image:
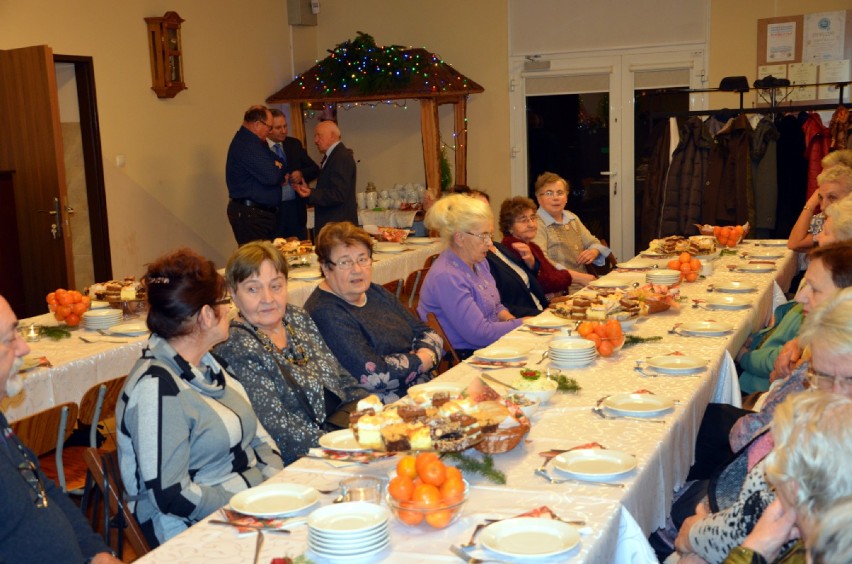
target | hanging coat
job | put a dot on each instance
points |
(655, 180)
(729, 194)
(765, 173)
(685, 183)
(792, 174)
(839, 128)
(817, 142)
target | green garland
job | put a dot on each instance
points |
(446, 173)
(636, 339)
(484, 467)
(361, 65)
(56, 333)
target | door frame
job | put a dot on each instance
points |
(84, 71)
(621, 67)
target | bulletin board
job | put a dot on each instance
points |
(807, 49)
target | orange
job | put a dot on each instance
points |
(594, 337)
(426, 495)
(72, 320)
(605, 348)
(51, 298)
(76, 296)
(584, 329)
(452, 490)
(695, 264)
(440, 518)
(406, 467)
(673, 264)
(79, 308)
(453, 472)
(62, 311)
(691, 276)
(422, 460)
(600, 331)
(717, 231)
(64, 298)
(613, 333)
(434, 473)
(685, 257)
(400, 488)
(684, 267)
(410, 517)
(86, 300)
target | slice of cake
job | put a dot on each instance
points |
(419, 437)
(395, 437)
(369, 432)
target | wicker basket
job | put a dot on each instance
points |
(503, 440)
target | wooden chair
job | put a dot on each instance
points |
(394, 287)
(97, 405)
(47, 431)
(105, 471)
(450, 358)
(429, 260)
(411, 289)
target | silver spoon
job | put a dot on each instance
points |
(552, 480)
(258, 546)
(543, 356)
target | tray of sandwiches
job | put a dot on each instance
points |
(697, 246)
(440, 420)
(616, 303)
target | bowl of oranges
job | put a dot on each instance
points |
(68, 306)
(688, 265)
(426, 493)
(608, 336)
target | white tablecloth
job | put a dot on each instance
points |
(619, 520)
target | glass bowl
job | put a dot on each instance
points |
(427, 518)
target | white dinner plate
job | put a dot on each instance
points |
(358, 554)
(548, 322)
(432, 388)
(638, 405)
(529, 537)
(765, 256)
(134, 329)
(101, 312)
(608, 282)
(756, 268)
(636, 264)
(594, 463)
(772, 243)
(734, 287)
(342, 440)
(677, 364)
(420, 240)
(500, 354)
(709, 328)
(388, 248)
(352, 517)
(29, 363)
(305, 274)
(652, 255)
(729, 302)
(272, 500)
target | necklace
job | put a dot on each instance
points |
(298, 356)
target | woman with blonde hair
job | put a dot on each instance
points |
(835, 183)
(459, 288)
(838, 223)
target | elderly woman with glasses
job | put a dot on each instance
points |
(274, 348)
(369, 330)
(561, 234)
(827, 333)
(188, 438)
(459, 288)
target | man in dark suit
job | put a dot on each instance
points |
(254, 176)
(333, 197)
(292, 218)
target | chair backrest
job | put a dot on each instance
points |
(450, 357)
(105, 472)
(394, 287)
(48, 430)
(98, 403)
(411, 289)
(606, 267)
(429, 260)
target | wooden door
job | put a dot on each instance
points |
(32, 147)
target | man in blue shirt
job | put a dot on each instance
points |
(254, 175)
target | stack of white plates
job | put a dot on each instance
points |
(572, 353)
(95, 319)
(348, 530)
(663, 276)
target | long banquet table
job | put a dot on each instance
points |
(618, 520)
(77, 366)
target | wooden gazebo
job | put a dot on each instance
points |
(361, 72)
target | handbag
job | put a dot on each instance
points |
(337, 412)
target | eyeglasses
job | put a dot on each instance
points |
(349, 264)
(29, 473)
(551, 193)
(525, 219)
(827, 382)
(484, 237)
(268, 125)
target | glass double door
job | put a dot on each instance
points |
(589, 120)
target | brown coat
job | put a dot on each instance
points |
(728, 194)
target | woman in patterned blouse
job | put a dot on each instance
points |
(277, 352)
(372, 334)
